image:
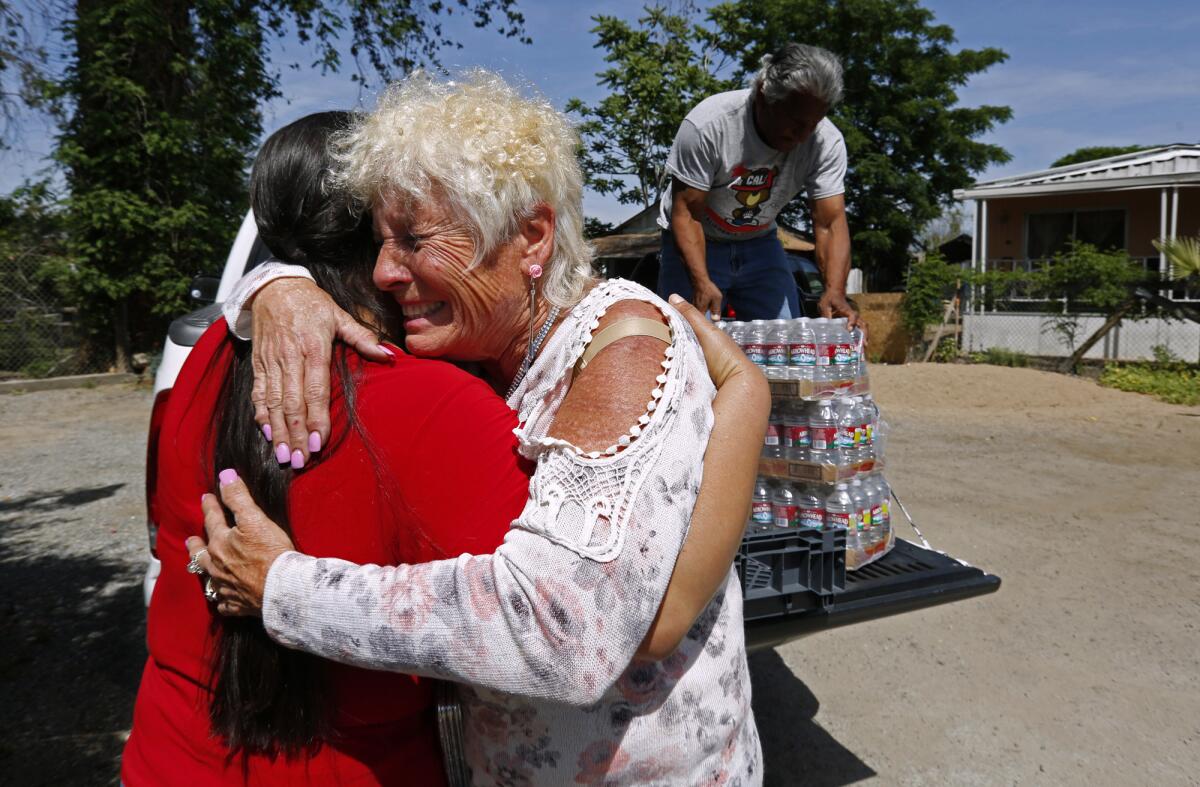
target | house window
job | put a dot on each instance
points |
(1050, 233)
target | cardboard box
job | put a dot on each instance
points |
(808, 389)
(792, 470)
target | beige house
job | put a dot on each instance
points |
(1121, 202)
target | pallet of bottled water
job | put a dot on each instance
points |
(822, 463)
(804, 358)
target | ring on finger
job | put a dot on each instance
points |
(210, 592)
(193, 566)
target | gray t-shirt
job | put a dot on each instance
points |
(748, 182)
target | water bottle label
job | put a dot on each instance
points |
(761, 512)
(843, 354)
(864, 519)
(860, 434)
(870, 433)
(887, 511)
(877, 515)
(785, 516)
(777, 354)
(824, 437)
(812, 517)
(772, 437)
(797, 436)
(839, 520)
(825, 354)
(845, 437)
(756, 353)
(803, 354)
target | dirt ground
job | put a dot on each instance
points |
(1082, 669)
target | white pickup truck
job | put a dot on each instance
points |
(782, 602)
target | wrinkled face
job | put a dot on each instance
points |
(450, 309)
(790, 122)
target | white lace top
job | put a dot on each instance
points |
(543, 632)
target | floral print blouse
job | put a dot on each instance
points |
(542, 634)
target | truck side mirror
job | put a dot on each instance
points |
(203, 289)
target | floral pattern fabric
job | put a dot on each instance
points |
(543, 633)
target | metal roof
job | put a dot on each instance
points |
(1172, 165)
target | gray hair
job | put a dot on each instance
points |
(489, 152)
(800, 68)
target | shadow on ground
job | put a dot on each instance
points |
(796, 750)
(73, 630)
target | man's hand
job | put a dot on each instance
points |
(237, 558)
(295, 324)
(834, 304)
(707, 297)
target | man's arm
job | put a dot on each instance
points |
(831, 236)
(687, 206)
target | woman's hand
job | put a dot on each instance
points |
(295, 324)
(237, 558)
(741, 409)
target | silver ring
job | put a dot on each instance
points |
(210, 592)
(193, 566)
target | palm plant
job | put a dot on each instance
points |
(1183, 254)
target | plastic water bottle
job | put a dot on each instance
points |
(737, 332)
(840, 514)
(811, 507)
(884, 498)
(860, 353)
(862, 430)
(847, 431)
(797, 438)
(783, 506)
(876, 533)
(843, 363)
(802, 349)
(862, 510)
(755, 345)
(773, 442)
(823, 428)
(760, 506)
(821, 339)
(776, 349)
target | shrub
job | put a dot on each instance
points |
(998, 356)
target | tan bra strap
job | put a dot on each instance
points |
(630, 326)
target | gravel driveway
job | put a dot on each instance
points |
(1081, 670)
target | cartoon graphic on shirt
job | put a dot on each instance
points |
(752, 188)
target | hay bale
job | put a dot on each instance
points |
(889, 340)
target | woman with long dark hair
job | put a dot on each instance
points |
(420, 465)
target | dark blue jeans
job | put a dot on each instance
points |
(753, 274)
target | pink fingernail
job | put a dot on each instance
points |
(314, 442)
(297, 460)
(267, 432)
(227, 476)
(282, 452)
(387, 351)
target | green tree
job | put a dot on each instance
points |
(909, 142)
(659, 70)
(1091, 154)
(160, 106)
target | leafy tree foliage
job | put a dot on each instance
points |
(659, 70)
(160, 114)
(1091, 154)
(909, 143)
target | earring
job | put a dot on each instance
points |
(535, 273)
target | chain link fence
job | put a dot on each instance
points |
(1013, 320)
(39, 335)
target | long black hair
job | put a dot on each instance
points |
(266, 698)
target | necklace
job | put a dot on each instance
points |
(534, 345)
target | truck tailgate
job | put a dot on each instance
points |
(908, 578)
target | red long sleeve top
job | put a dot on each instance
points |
(437, 476)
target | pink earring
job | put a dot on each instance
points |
(535, 271)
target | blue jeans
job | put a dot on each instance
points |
(753, 274)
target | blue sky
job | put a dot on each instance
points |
(1094, 73)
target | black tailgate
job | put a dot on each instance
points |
(908, 578)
